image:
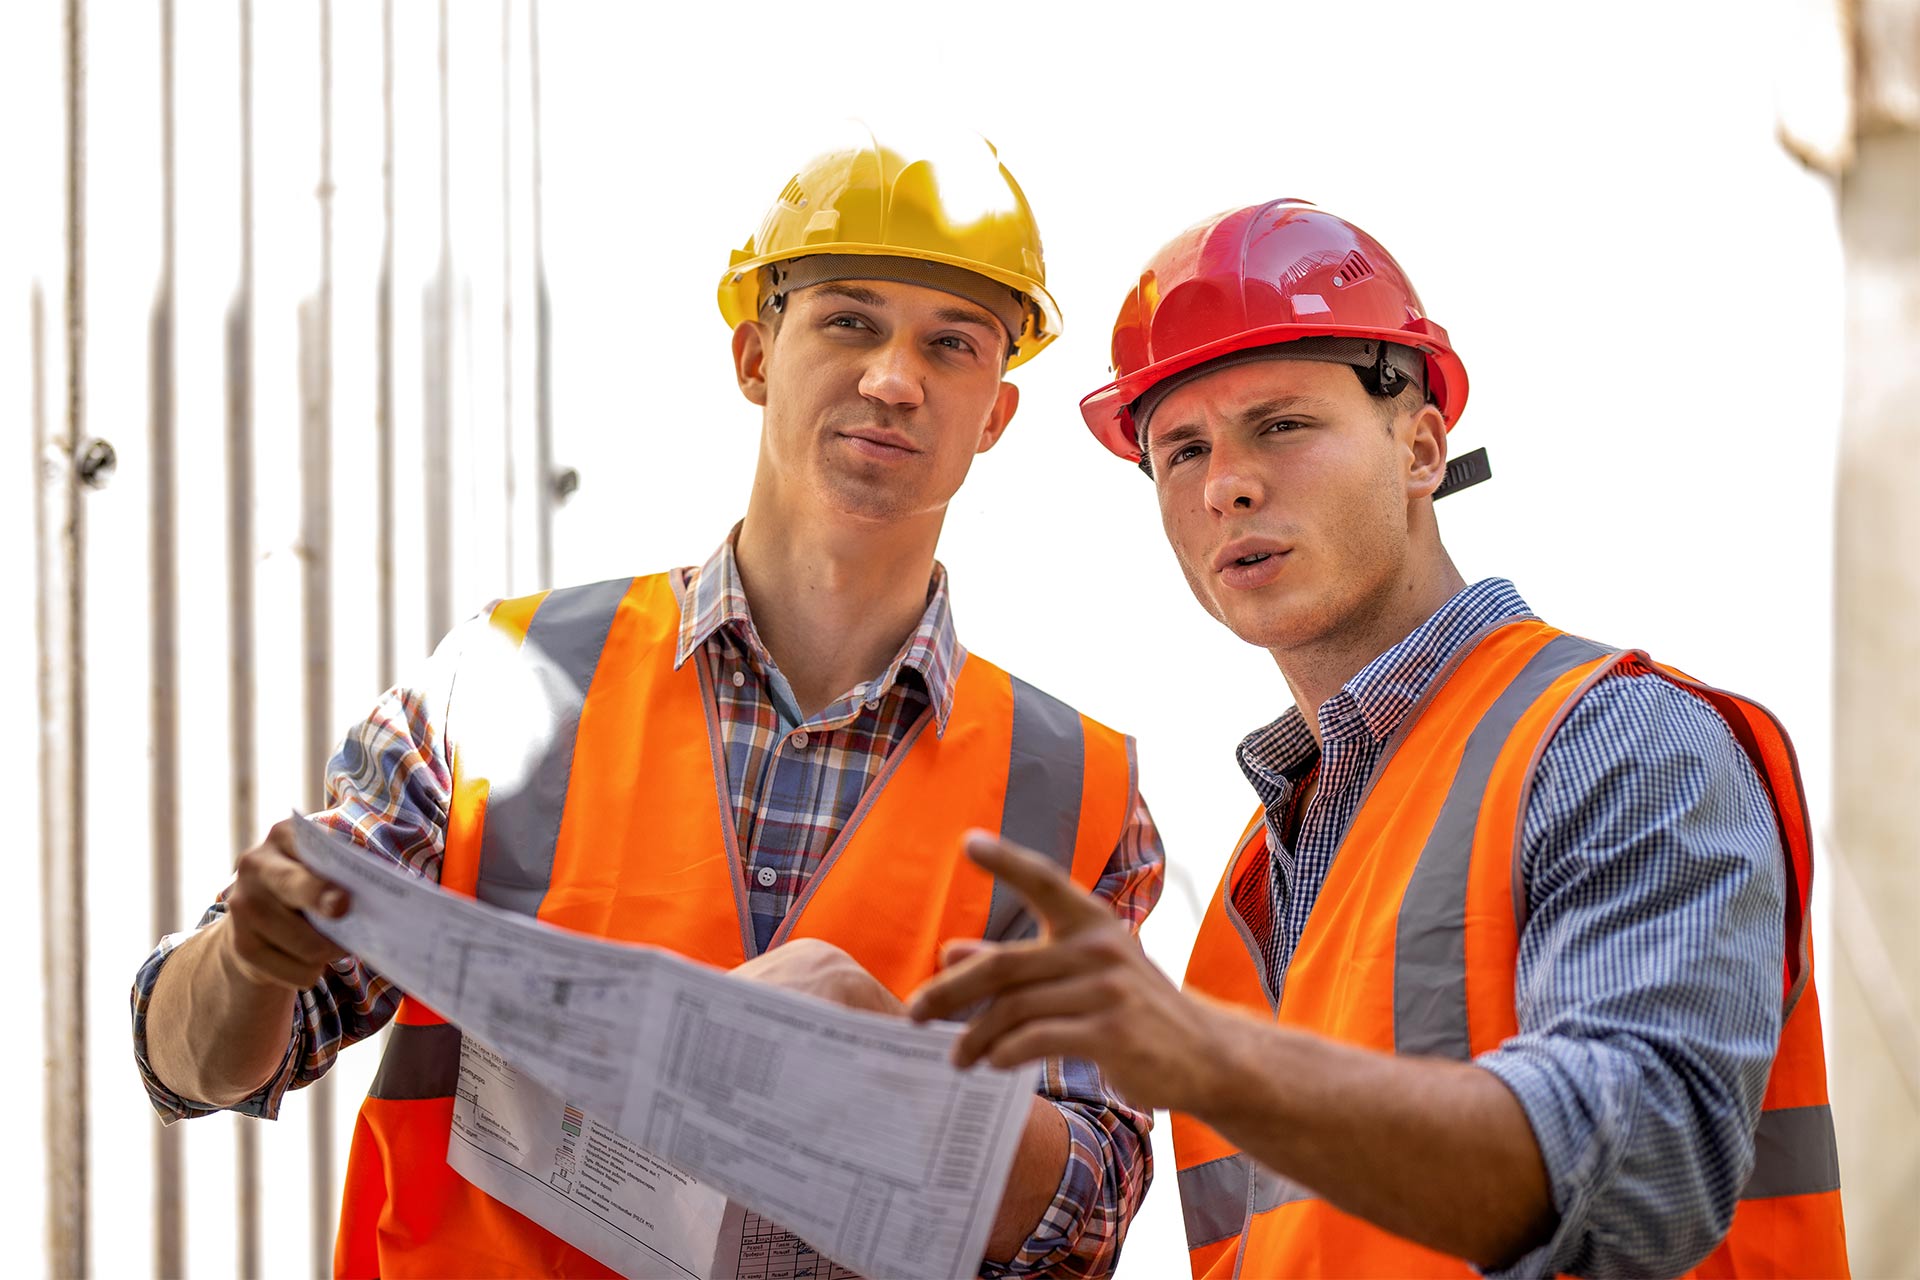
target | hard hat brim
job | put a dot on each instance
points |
(1108, 412)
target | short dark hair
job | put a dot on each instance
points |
(1408, 399)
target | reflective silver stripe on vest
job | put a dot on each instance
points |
(1270, 1190)
(420, 1062)
(522, 826)
(1215, 1197)
(1430, 946)
(1793, 1154)
(1044, 775)
(1213, 1200)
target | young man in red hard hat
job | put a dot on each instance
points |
(765, 762)
(1510, 968)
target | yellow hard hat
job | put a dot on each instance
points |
(945, 214)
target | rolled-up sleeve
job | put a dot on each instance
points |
(387, 789)
(1648, 986)
(1110, 1155)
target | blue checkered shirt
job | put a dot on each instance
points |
(1648, 988)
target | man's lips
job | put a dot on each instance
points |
(1243, 552)
(891, 440)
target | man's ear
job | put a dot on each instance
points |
(752, 348)
(1004, 405)
(1426, 444)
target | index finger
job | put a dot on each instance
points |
(1064, 905)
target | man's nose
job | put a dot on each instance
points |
(895, 374)
(1233, 482)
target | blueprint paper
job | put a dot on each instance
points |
(849, 1129)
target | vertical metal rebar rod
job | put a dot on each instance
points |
(543, 327)
(506, 283)
(240, 649)
(169, 1254)
(316, 576)
(61, 618)
(383, 391)
(439, 375)
(52, 476)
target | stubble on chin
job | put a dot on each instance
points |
(1273, 618)
(864, 496)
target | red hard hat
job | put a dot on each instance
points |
(1254, 277)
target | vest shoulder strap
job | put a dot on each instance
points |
(523, 716)
(1070, 785)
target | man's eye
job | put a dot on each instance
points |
(1181, 454)
(846, 322)
(953, 342)
(1282, 424)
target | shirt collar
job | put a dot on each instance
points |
(713, 600)
(1376, 699)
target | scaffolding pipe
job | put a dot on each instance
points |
(545, 478)
(169, 1256)
(316, 569)
(240, 649)
(438, 337)
(506, 287)
(60, 617)
(385, 660)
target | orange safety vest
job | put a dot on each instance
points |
(622, 826)
(1412, 947)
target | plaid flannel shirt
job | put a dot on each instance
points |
(794, 783)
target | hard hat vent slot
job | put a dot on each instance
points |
(1353, 268)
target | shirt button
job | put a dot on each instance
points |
(739, 679)
(799, 740)
(873, 704)
(766, 877)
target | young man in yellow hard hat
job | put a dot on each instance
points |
(1510, 969)
(764, 762)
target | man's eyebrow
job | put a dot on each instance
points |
(1279, 406)
(946, 315)
(1172, 435)
(1265, 410)
(967, 315)
(853, 293)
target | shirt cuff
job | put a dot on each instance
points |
(1581, 1136)
(1060, 1227)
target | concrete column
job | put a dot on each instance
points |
(1872, 980)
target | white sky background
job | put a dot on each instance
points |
(1645, 289)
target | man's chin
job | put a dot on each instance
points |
(1274, 627)
(862, 499)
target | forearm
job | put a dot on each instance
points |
(213, 1035)
(1105, 1142)
(1438, 1152)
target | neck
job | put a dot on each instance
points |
(1315, 671)
(832, 603)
